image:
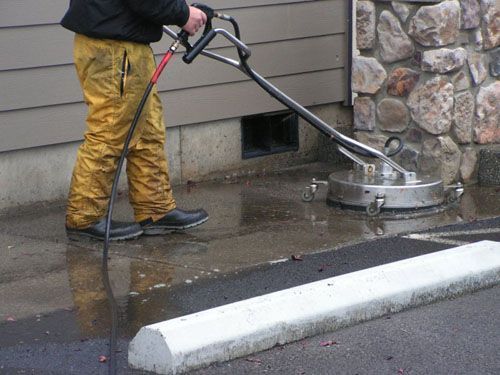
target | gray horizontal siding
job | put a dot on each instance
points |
(28, 90)
(39, 12)
(49, 126)
(35, 46)
(299, 44)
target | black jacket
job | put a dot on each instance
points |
(134, 20)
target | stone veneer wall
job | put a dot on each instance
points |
(428, 72)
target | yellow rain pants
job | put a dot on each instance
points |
(113, 76)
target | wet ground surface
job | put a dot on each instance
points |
(51, 289)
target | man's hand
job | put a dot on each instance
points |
(197, 19)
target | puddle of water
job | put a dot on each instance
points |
(253, 221)
(258, 228)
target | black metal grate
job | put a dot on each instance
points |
(267, 134)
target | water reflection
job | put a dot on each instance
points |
(254, 225)
(140, 287)
(87, 289)
(146, 302)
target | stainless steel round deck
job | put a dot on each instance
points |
(354, 189)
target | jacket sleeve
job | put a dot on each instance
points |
(163, 12)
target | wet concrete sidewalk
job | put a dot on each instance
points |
(51, 289)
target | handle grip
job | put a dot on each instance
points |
(193, 51)
(209, 12)
(205, 9)
(190, 55)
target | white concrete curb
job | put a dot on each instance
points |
(259, 323)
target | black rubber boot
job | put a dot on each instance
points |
(119, 231)
(176, 219)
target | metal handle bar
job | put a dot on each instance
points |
(207, 38)
(327, 129)
(235, 41)
(226, 60)
(315, 121)
(351, 156)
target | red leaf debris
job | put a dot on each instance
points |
(401, 371)
(102, 358)
(328, 343)
(10, 318)
(297, 257)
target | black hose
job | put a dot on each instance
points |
(105, 275)
(114, 313)
(397, 150)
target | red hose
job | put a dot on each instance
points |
(160, 67)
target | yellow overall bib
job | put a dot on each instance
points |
(113, 76)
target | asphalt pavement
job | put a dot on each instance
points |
(456, 336)
(260, 239)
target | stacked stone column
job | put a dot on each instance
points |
(429, 72)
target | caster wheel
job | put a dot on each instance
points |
(451, 198)
(372, 209)
(307, 196)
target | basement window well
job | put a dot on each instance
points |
(271, 133)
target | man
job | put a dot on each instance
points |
(114, 63)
